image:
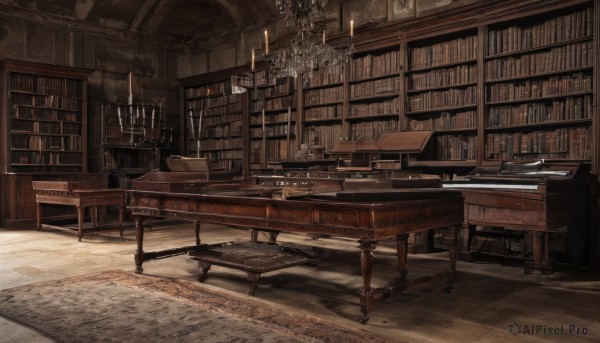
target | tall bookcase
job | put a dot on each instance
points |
(272, 122)
(539, 87)
(214, 124)
(441, 96)
(44, 133)
(373, 93)
(322, 101)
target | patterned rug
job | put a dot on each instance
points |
(119, 306)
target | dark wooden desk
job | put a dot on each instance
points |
(343, 214)
(79, 195)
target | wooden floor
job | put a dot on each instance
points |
(487, 300)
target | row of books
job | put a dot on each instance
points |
(557, 59)
(272, 131)
(215, 102)
(45, 85)
(47, 101)
(433, 100)
(324, 112)
(536, 88)
(375, 87)
(452, 51)
(223, 87)
(19, 112)
(554, 30)
(375, 108)
(371, 130)
(325, 136)
(273, 118)
(47, 157)
(36, 127)
(324, 77)
(62, 143)
(444, 121)
(373, 65)
(215, 120)
(217, 144)
(279, 89)
(541, 112)
(220, 157)
(451, 148)
(273, 104)
(569, 143)
(226, 130)
(323, 95)
(461, 74)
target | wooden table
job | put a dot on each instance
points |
(79, 195)
(345, 214)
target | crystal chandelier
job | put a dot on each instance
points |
(308, 49)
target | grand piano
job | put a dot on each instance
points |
(532, 196)
(367, 216)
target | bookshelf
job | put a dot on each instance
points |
(130, 139)
(214, 124)
(441, 96)
(374, 93)
(539, 87)
(322, 99)
(272, 122)
(44, 134)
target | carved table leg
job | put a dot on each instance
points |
(205, 266)
(541, 258)
(402, 256)
(38, 216)
(121, 214)
(253, 278)
(253, 235)
(367, 300)
(197, 232)
(80, 218)
(139, 238)
(273, 237)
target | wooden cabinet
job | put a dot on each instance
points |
(131, 139)
(44, 134)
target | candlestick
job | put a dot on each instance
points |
(252, 59)
(152, 123)
(266, 42)
(192, 125)
(351, 28)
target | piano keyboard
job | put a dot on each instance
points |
(490, 186)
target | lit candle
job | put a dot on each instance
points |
(351, 28)
(323, 37)
(252, 59)
(266, 42)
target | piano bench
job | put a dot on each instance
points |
(254, 258)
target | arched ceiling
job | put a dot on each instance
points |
(179, 19)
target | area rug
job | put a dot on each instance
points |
(119, 306)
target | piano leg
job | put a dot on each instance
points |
(453, 250)
(139, 238)
(80, 218)
(541, 256)
(367, 299)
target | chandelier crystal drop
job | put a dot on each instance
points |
(308, 50)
